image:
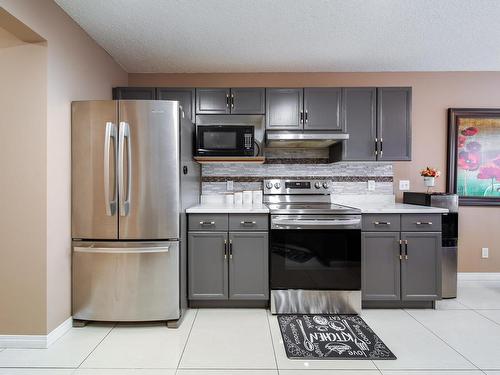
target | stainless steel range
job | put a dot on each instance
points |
(315, 249)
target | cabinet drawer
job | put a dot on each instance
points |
(208, 222)
(421, 222)
(242, 222)
(385, 223)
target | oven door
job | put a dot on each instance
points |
(224, 140)
(316, 252)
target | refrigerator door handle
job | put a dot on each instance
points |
(110, 132)
(130, 250)
(125, 202)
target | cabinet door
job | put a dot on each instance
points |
(185, 96)
(248, 101)
(248, 265)
(322, 109)
(421, 271)
(394, 123)
(134, 93)
(380, 262)
(207, 265)
(212, 101)
(359, 121)
(284, 109)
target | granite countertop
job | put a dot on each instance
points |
(224, 208)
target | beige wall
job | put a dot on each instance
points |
(433, 93)
(23, 125)
(77, 69)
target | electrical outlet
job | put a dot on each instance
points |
(485, 252)
(404, 185)
(371, 185)
(229, 185)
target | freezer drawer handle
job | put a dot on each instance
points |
(130, 250)
(125, 202)
(110, 132)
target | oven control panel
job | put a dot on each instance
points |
(278, 186)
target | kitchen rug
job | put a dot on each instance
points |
(330, 337)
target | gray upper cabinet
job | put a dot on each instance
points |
(380, 266)
(134, 93)
(359, 121)
(421, 267)
(185, 96)
(394, 123)
(207, 260)
(322, 109)
(248, 101)
(213, 101)
(284, 109)
(248, 266)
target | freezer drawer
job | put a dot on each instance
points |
(126, 281)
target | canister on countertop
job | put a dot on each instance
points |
(238, 198)
(247, 197)
(257, 197)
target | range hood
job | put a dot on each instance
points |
(303, 140)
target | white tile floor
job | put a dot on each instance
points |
(461, 337)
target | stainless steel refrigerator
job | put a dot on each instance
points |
(132, 178)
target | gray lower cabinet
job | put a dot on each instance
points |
(380, 266)
(284, 109)
(394, 123)
(207, 265)
(421, 266)
(231, 264)
(248, 265)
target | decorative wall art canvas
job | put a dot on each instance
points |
(474, 155)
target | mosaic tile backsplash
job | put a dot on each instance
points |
(346, 177)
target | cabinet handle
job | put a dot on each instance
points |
(376, 146)
(248, 222)
(307, 115)
(232, 100)
(227, 100)
(225, 249)
(381, 146)
(230, 249)
(423, 222)
(406, 249)
(400, 249)
(382, 222)
(301, 117)
(207, 222)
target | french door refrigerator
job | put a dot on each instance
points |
(127, 209)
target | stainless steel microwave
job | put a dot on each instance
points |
(224, 140)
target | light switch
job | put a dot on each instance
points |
(485, 252)
(229, 185)
(404, 185)
(371, 185)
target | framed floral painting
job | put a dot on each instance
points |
(474, 155)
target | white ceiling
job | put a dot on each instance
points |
(294, 35)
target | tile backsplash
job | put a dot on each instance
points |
(346, 177)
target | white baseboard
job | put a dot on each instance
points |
(35, 341)
(479, 276)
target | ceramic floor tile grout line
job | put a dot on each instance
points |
(187, 340)
(95, 347)
(272, 339)
(441, 339)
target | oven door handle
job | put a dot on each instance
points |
(303, 224)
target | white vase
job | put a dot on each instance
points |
(429, 181)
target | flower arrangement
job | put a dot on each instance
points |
(430, 172)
